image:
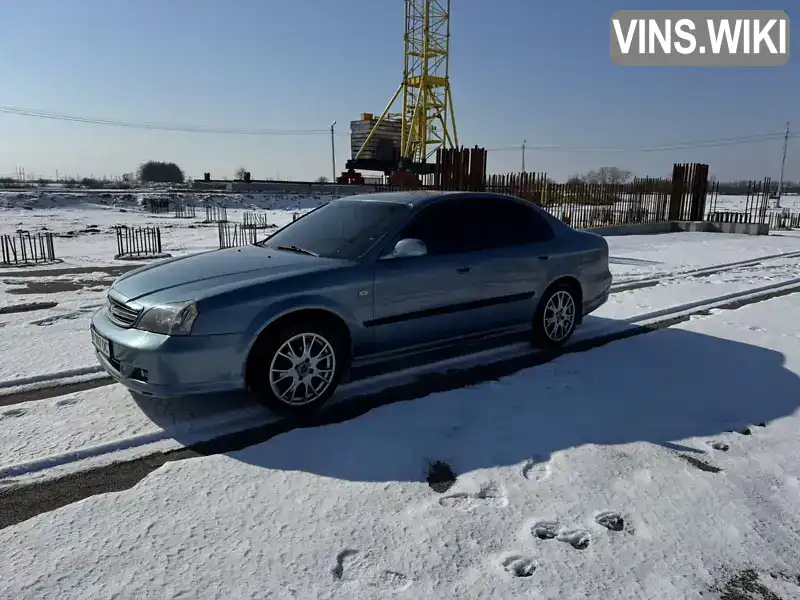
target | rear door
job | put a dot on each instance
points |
(511, 249)
(427, 299)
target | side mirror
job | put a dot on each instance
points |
(407, 248)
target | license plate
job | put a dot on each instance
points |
(102, 344)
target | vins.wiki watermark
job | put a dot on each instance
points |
(731, 38)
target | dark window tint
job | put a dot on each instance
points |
(500, 223)
(342, 228)
(474, 224)
(443, 227)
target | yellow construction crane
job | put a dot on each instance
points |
(426, 122)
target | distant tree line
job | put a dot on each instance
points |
(154, 171)
(615, 175)
(149, 172)
(91, 183)
(603, 175)
(739, 188)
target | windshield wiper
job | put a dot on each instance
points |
(298, 249)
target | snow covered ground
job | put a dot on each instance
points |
(663, 467)
(86, 429)
(78, 283)
(739, 203)
(85, 245)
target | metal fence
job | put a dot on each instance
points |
(776, 220)
(644, 200)
(233, 235)
(138, 241)
(182, 210)
(682, 197)
(157, 205)
(783, 220)
(255, 220)
(216, 214)
(26, 249)
(459, 169)
(754, 209)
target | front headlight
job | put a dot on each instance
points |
(174, 318)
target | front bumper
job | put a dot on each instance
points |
(168, 366)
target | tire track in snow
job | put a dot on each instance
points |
(633, 284)
(234, 424)
(43, 390)
(22, 502)
(24, 382)
(42, 387)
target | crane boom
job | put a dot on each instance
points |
(426, 121)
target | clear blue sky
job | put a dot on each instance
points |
(520, 69)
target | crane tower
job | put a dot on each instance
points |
(409, 138)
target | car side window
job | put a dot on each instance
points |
(443, 227)
(502, 223)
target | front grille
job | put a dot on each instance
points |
(121, 314)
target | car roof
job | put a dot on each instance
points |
(417, 197)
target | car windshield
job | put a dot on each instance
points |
(340, 229)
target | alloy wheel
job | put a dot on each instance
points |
(302, 369)
(559, 315)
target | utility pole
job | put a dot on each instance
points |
(783, 165)
(523, 154)
(333, 154)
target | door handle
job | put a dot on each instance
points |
(463, 270)
(543, 257)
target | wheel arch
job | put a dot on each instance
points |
(574, 285)
(311, 313)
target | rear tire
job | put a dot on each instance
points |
(556, 317)
(295, 369)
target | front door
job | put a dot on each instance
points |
(427, 299)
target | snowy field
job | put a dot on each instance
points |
(739, 203)
(86, 246)
(600, 475)
(664, 466)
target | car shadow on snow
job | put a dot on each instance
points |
(660, 388)
(188, 419)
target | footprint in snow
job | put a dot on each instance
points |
(67, 402)
(354, 565)
(345, 558)
(536, 469)
(721, 446)
(700, 464)
(518, 565)
(440, 476)
(545, 530)
(577, 538)
(392, 582)
(610, 520)
(12, 414)
(548, 530)
(490, 495)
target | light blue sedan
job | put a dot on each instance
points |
(360, 280)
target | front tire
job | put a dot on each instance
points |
(556, 317)
(295, 369)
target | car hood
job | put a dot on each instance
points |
(208, 270)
